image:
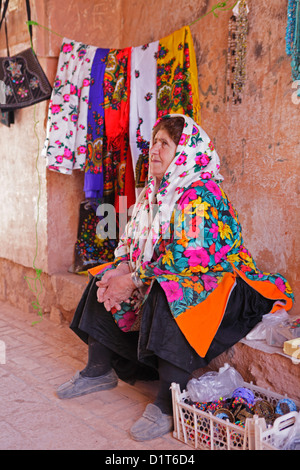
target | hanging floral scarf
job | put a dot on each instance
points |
(116, 115)
(177, 75)
(142, 107)
(93, 181)
(66, 134)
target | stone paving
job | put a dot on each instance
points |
(34, 360)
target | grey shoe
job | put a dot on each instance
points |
(152, 424)
(79, 385)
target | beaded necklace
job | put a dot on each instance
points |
(236, 53)
(231, 51)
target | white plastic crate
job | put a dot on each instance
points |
(202, 430)
(272, 438)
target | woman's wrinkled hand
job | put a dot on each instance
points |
(102, 285)
(115, 289)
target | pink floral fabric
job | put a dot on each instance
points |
(65, 145)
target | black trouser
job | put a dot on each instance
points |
(100, 361)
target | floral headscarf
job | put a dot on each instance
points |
(195, 158)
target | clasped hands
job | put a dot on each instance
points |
(115, 287)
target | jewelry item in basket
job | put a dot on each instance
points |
(215, 405)
(284, 406)
(241, 409)
(223, 413)
(210, 406)
(264, 409)
(245, 393)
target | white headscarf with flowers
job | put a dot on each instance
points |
(195, 159)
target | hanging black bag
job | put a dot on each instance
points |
(22, 79)
(6, 117)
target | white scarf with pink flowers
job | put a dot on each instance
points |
(65, 144)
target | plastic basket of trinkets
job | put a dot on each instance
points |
(224, 421)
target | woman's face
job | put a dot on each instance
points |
(162, 153)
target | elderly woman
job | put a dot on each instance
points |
(182, 289)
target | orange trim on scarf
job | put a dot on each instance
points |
(200, 323)
(268, 290)
(97, 269)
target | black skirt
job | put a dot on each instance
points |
(136, 353)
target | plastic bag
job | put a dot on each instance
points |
(263, 329)
(286, 432)
(293, 438)
(213, 385)
(259, 332)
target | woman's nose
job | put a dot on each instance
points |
(154, 149)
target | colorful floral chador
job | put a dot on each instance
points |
(116, 116)
(177, 75)
(93, 177)
(187, 236)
